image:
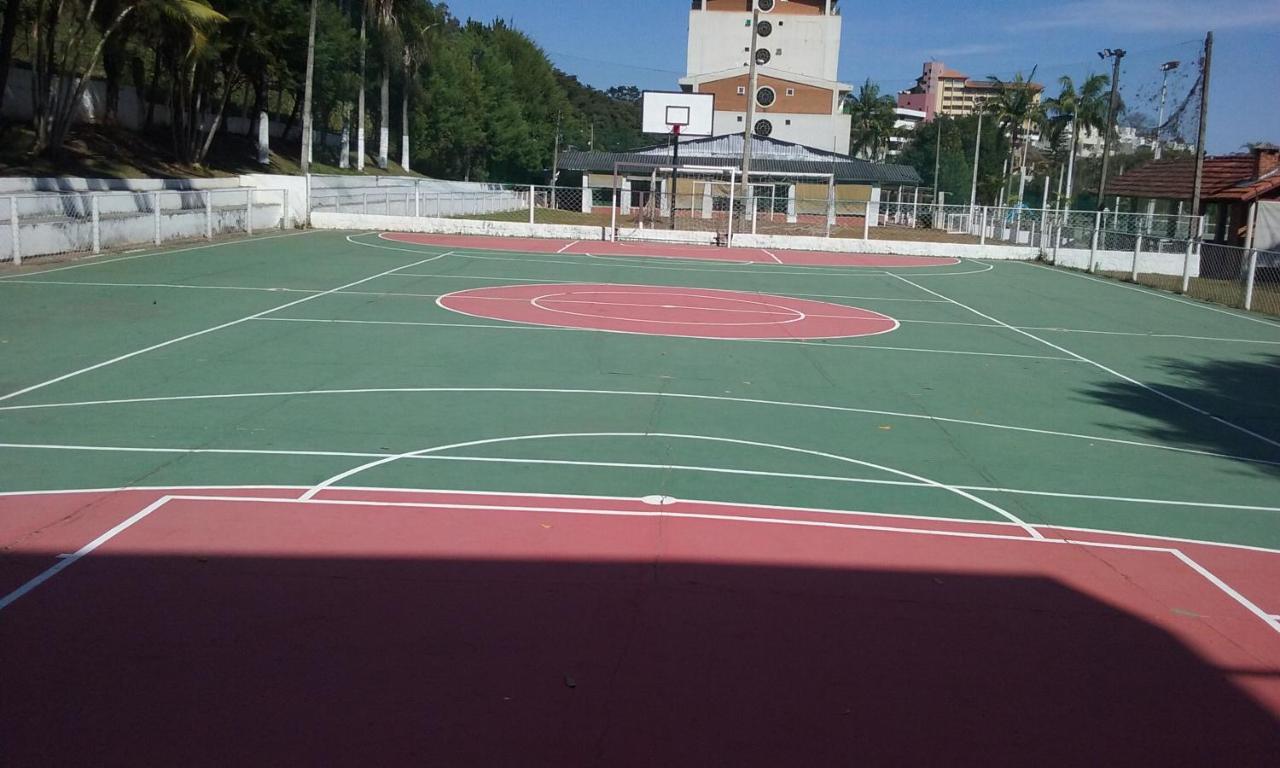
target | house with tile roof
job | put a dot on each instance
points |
(1232, 183)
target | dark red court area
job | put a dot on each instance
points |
(413, 628)
(668, 311)
(660, 250)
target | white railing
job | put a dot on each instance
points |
(66, 223)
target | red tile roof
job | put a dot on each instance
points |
(1227, 178)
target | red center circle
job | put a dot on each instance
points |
(668, 311)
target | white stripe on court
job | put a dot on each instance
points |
(770, 255)
(789, 342)
(567, 247)
(1100, 366)
(626, 393)
(647, 466)
(92, 262)
(161, 345)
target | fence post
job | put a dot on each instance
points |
(15, 236)
(417, 199)
(248, 211)
(284, 212)
(1186, 266)
(1248, 286)
(1093, 244)
(1137, 249)
(866, 220)
(95, 219)
(755, 208)
(982, 227)
(532, 192)
(208, 215)
(155, 215)
(733, 189)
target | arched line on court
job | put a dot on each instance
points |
(673, 436)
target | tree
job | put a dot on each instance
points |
(955, 163)
(308, 134)
(8, 30)
(1017, 107)
(873, 119)
(1084, 109)
(61, 80)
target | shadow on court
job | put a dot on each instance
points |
(278, 661)
(1243, 393)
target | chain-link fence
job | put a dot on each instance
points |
(72, 223)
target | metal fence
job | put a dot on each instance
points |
(73, 223)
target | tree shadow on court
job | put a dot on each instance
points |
(134, 660)
(1244, 393)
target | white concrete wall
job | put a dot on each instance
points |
(1122, 261)
(667, 236)
(348, 221)
(721, 40)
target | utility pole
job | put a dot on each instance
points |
(309, 88)
(977, 152)
(753, 81)
(1116, 55)
(1166, 68)
(555, 155)
(1204, 123)
(1071, 159)
(937, 159)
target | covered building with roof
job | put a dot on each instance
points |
(799, 179)
(1232, 183)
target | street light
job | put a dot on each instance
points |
(1166, 68)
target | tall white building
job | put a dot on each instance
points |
(798, 98)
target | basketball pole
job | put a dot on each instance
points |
(675, 165)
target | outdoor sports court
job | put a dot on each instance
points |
(336, 498)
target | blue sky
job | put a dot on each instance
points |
(609, 42)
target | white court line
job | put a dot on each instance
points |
(161, 285)
(67, 562)
(1036, 538)
(91, 262)
(318, 488)
(688, 259)
(1156, 293)
(567, 247)
(790, 342)
(1135, 334)
(635, 465)
(630, 393)
(161, 345)
(1100, 366)
(770, 255)
(187, 493)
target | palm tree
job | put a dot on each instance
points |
(872, 124)
(1084, 109)
(1017, 106)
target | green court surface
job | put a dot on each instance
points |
(1010, 392)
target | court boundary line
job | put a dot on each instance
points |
(195, 334)
(1100, 366)
(1221, 585)
(626, 393)
(90, 261)
(531, 494)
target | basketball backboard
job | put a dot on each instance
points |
(690, 113)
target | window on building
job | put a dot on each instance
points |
(742, 90)
(791, 91)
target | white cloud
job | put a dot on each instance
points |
(1154, 15)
